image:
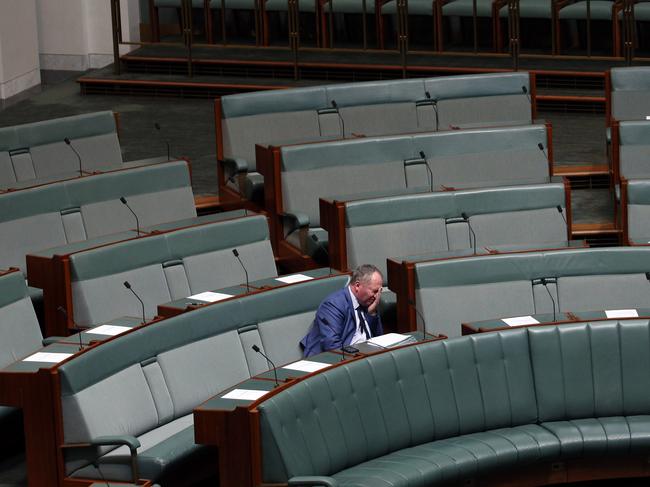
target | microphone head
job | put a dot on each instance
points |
(123, 200)
(525, 90)
(647, 276)
(540, 146)
(428, 95)
(423, 155)
(156, 125)
(464, 215)
(333, 102)
(314, 237)
(559, 208)
(256, 348)
(127, 284)
(235, 252)
(67, 141)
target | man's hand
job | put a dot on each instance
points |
(372, 309)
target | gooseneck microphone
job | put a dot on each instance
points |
(235, 252)
(270, 362)
(525, 90)
(561, 212)
(314, 237)
(137, 221)
(69, 144)
(336, 107)
(63, 311)
(544, 283)
(157, 127)
(434, 104)
(426, 163)
(469, 225)
(128, 286)
(540, 146)
(417, 311)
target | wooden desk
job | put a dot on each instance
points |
(178, 306)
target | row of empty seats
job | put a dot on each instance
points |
(39, 152)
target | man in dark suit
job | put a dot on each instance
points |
(349, 315)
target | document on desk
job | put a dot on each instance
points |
(306, 366)
(520, 321)
(109, 330)
(293, 278)
(390, 340)
(48, 357)
(244, 394)
(621, 313)
(210, 297)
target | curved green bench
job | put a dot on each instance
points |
(516, 403)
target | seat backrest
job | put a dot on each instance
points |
(368, 408)
(633, 150)
(168, 266)
(638, 211)
(162, 371)
(37, 150)
(19, 327)
(629, 93)
(408, 225)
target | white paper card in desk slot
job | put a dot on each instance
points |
(210, 297)
(306, 366)
(520, 321)
(621, 313)
(293, 278)
(390, 340)
(48, 357)
(244, 394)
(109, 330)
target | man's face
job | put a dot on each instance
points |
(367, 292)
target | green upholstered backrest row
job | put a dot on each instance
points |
(373, 92)
(63, 195)
(634, 149)
(453, 204)
(629, 95)
(531, 265)
(373, 150)
(638, 210)
(158, 249)
(147, 342)
(55, 130)
(634, 133)
(638, 192)
(407, 397)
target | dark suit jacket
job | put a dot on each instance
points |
(335, 325)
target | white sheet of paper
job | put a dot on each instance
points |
(244, 394)
(306, 366)
(621, 313)
(520, 321)
(210, 297)
(293, 278)
(110, 330)
(389, 340)
(49, 357)
(647, 117)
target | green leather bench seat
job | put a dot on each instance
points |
(600, 10)
(369, 108)
(168, 266)
(638, 211)
(75, 210)
(36, 152)
(526, 216)
(457, 410)
(458, 159)
(163, 371)
(629, 92)
(454, 291)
